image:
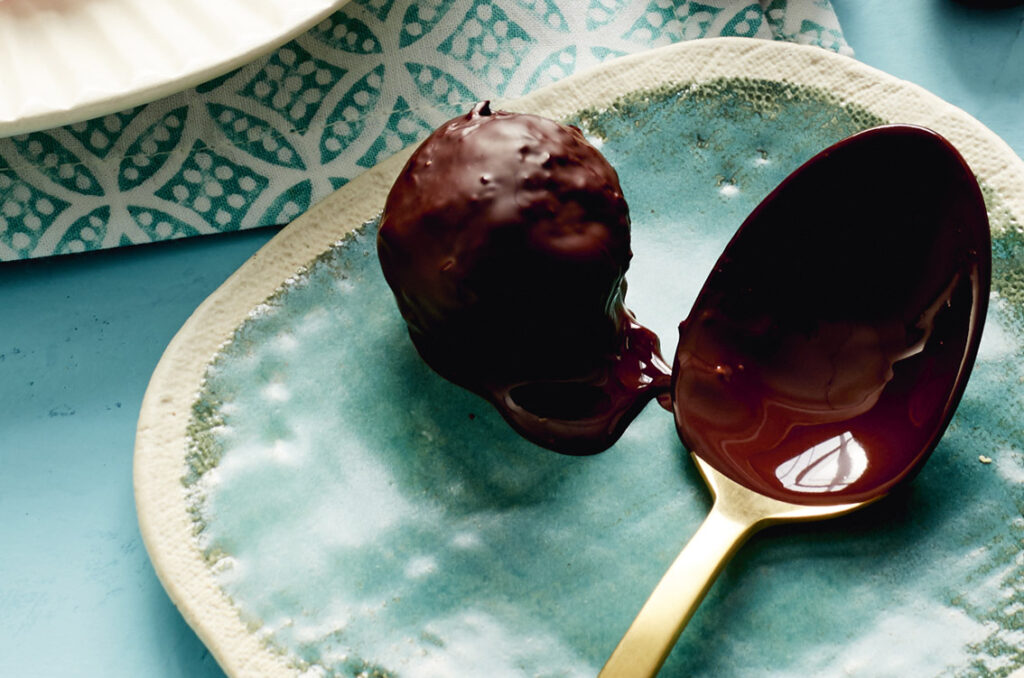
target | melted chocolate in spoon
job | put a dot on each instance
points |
(831, 343)
(506, 240)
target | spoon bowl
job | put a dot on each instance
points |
(825, 354)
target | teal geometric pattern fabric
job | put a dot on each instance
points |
(259, 145)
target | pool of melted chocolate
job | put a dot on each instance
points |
(833, 339)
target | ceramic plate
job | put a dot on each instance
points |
(318, 502)
(62, 61)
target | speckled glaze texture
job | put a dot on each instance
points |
(364, 514)
(319, 502)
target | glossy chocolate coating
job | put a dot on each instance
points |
(506, 240)
(831, 343)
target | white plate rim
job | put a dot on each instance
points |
(161, 441)
(28, 111)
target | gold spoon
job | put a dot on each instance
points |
(825, 354)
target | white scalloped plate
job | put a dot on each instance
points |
(63, 61)
(375, 529)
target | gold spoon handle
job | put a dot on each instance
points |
(737, 513)
(654, 632)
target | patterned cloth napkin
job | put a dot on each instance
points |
(259, 145)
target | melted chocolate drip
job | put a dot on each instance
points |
(830, 345)
(506, 241)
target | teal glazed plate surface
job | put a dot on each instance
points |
(319, 503)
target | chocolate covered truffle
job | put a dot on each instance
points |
(506, 240)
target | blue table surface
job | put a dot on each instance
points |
(81, 335)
